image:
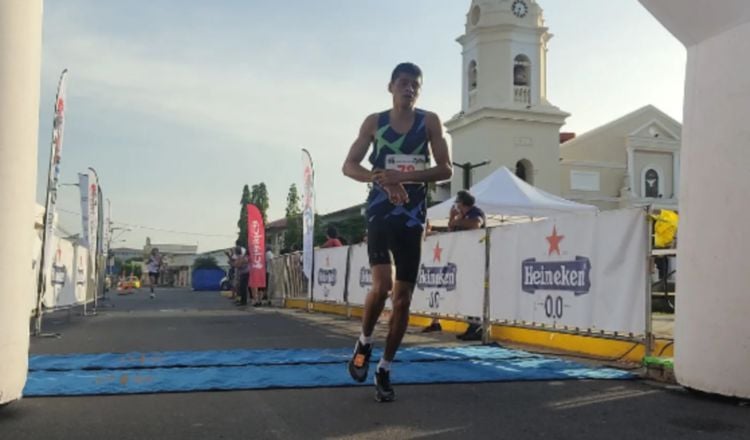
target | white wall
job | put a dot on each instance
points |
(712, 329)
(20, 59)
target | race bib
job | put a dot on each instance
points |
(405, 162)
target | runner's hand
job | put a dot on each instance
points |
(387, 177)
(396, 194)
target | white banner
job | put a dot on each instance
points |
(107, 231)
(308, 212)
(93, 226)
(58, 129)
(61, 279)
(451, 275)
(83, 187)
(585, 271)
(330, 274)
(80, 272)
(360, 276)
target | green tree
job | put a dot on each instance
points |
(259, 198)
(293, 233)
(242, 222)
(205, 263)
(133, 267)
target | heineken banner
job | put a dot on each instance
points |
(256, 247)
(61, 284)
(360, 277)
(60, 288)
(585, 271)
(308, 212)
(451, 275)
(330, 274)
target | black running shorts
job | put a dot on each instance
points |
(393, 243)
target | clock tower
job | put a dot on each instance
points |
(505, 115)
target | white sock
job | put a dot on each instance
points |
(365, 339)
(384, 364)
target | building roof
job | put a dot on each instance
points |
(603, 128)
(175, 249)
(277, 224)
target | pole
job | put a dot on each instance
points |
(649, 262)
(486, 336)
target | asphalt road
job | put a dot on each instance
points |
(185, 320)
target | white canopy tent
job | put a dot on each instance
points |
(505, 196)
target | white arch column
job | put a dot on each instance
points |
(712, 327)
(20, 58)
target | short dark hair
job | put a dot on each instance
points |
(332, 232)
(464, 197)
(408, 68)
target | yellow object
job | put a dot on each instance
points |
(665, 228)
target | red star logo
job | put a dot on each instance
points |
(554, 241)
(437, 253)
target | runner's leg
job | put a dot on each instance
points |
(382, 275)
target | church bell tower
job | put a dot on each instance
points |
(505, 116)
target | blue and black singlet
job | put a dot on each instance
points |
(389, 147)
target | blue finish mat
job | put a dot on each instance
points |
(302, 369)
(238, 358)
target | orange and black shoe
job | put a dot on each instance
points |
(360, 361)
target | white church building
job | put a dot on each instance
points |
(507, 119)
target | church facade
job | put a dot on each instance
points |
(506, 119)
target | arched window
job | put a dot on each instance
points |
(521, 71)
(472, 75)
(651, 183)
(525, 171)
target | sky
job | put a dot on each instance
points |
(179, 103)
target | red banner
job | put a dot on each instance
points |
(256, 247)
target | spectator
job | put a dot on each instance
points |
(242, 272)
(269, 262)
(332, 236)
(465, 215)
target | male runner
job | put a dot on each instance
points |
(153, 266)
(402, 139)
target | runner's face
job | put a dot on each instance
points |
(405, 89)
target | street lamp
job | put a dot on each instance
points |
(467, 168)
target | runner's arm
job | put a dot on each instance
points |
(443, 169)
(353, 164)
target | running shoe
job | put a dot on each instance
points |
(383, 389)
(360, 361)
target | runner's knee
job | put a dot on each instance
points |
(401, 302)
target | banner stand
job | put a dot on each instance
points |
(310, 281)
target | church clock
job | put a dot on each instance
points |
(520, 9)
